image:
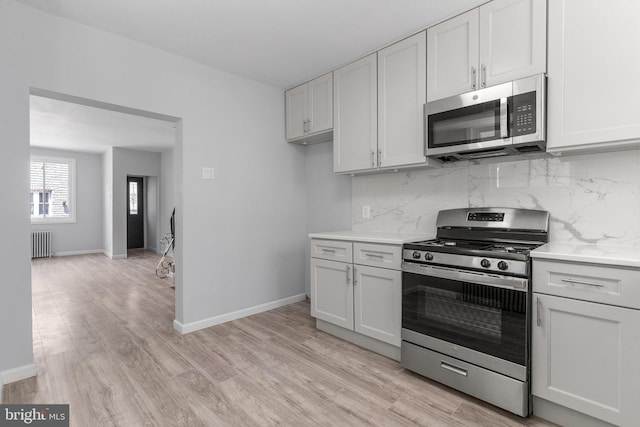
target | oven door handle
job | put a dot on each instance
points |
(498, 281)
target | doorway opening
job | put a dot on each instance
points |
(110, 144)
(135, 213)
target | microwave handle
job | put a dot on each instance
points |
(504, 131)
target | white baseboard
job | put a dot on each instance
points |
(185, 328)
(69, 253)
(112, 256)
(19, 373)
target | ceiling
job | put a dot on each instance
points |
(278, 42)
(69, 126)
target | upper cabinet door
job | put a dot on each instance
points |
(452, 56)
(402, 77)
(296, 110)
(355, 137)
(594, 83)
(513, 40)
(321, 103)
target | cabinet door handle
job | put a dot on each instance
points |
(308, 125)
(580, 282)
(379, 158)
(355, 275)
(538, 312)
(484, 75)
(452, 368)
(373, 153)
(474, 77)
(348, 275)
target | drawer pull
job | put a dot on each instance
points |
(580, 282)
(375, 256)
(330, 251)
(454, 369)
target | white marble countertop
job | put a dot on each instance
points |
(623, 256)
(372, 236)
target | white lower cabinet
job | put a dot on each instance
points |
(361, 296)
(377, 303)
(332, 292)
(586, 355)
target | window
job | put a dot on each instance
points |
(52, 189)
(133, 198)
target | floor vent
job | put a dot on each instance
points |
(40, 244)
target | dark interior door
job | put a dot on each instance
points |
(135, 213)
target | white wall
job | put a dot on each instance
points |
(107, 205)
(228, 122)
(151, 206)
(328, 197)
(167, 190)
(85, 235)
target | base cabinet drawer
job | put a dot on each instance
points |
(377, 255)
(333, 250)
(588, 282)
(586, 357)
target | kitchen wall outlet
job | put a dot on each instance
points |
(207, 173)
(366, 211)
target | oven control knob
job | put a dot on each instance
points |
(503, 265)
(485, 263)
(428, 256)
(415, 255)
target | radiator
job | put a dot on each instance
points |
(40, 244)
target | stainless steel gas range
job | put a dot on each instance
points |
(466, 303)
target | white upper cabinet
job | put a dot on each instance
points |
(309, 109)
(452, 56)
(355, 136)
(500, 41)
(402, 94)
(296, 109)
(320, 114)
(513, 38)
(593, 84)
(379, 108)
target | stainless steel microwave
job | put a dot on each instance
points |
(497, 121)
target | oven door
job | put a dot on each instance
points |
(477, 317)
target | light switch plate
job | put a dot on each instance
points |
(207, 173)
(366, 211)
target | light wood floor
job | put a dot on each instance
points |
(104, 343)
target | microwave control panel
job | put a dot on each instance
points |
(524, 114)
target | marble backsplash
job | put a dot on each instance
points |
(592, 198)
